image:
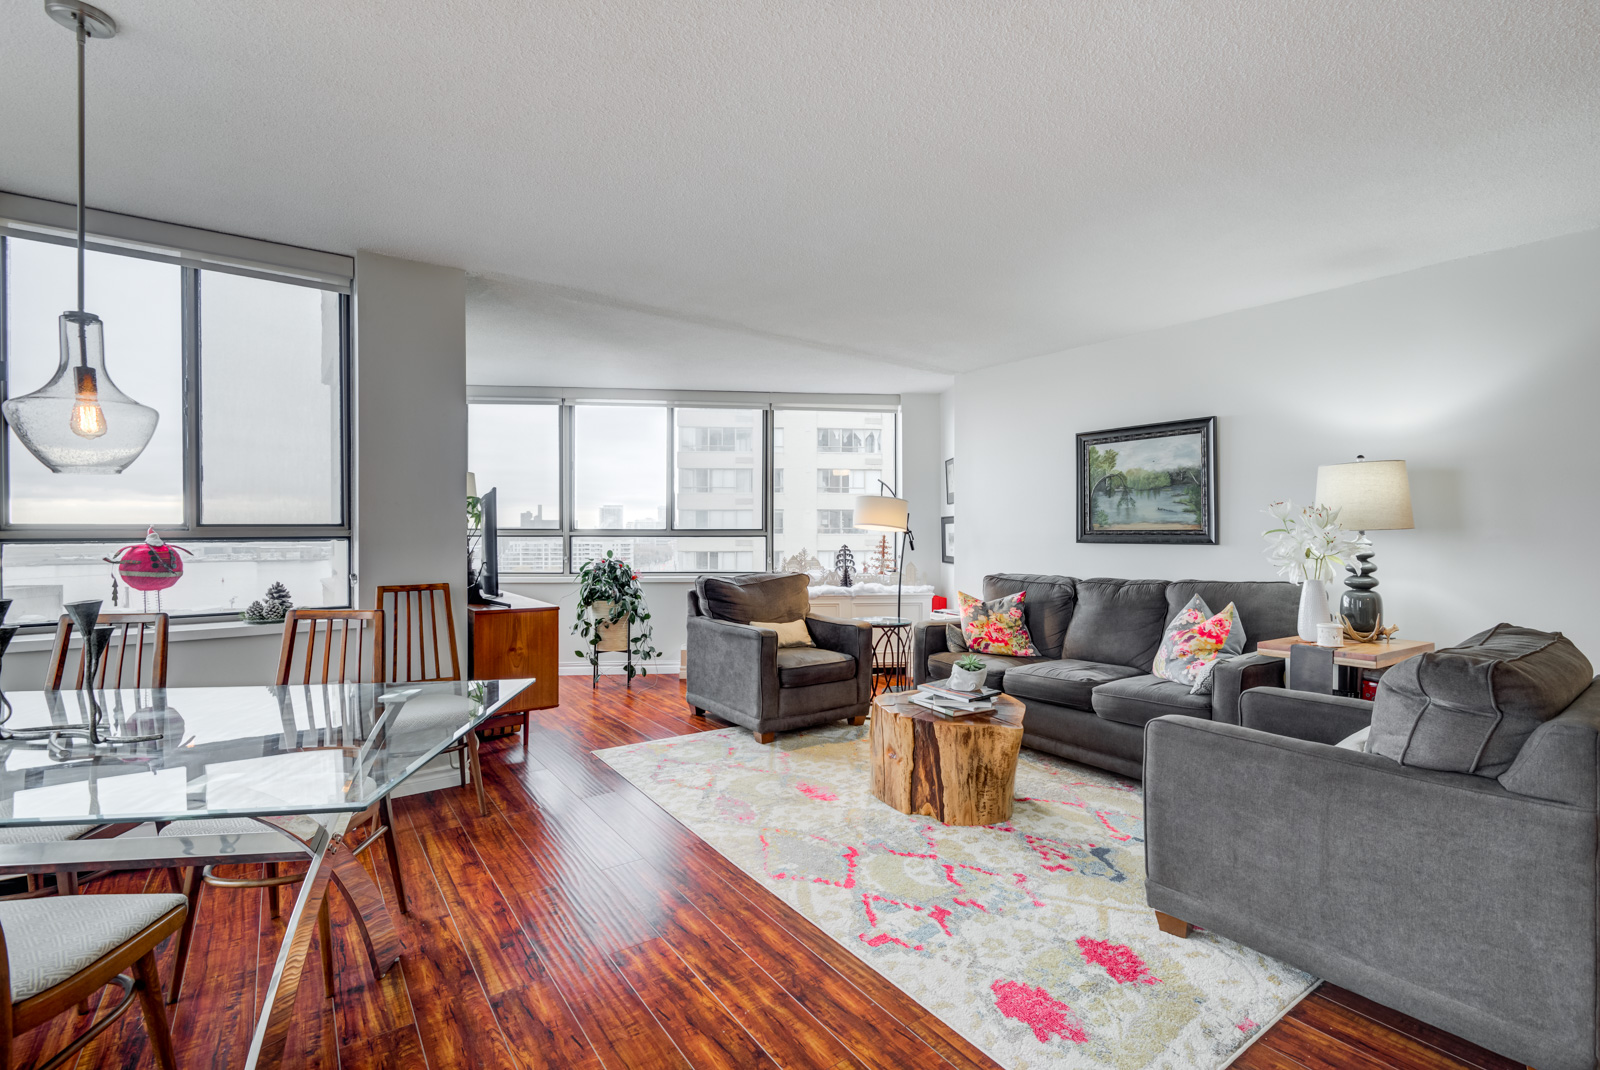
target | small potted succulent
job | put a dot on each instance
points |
(968, 674)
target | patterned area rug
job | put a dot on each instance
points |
(1031, 938)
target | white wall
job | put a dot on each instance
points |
(947, 439)
(410, 427)
(922, 479)
(1483, 374)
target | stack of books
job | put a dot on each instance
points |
(953, 703)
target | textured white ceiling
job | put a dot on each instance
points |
(782, 191)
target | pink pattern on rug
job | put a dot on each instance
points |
(938, 915)
(811, 791)
(1034, 1008)
(1118, 960)
(1247, 1026)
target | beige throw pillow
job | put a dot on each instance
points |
(793, 633)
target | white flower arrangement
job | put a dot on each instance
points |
(1309, 544)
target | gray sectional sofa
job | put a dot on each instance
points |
(1089, 695)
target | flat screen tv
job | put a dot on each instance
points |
(489, 570)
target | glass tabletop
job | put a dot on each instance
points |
(227, 751)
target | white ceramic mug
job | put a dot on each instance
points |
(1330, 633)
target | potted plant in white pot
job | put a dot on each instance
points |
(968, 673)
(1306, 547)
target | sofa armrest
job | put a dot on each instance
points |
(853, 637)
(1232, 677)
(1439, 894)
(733, 668)
(1304, 714)
(927, 638)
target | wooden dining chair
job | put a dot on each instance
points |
(364, 626)
(357, 636)
(56, 953)
(144, 635)
(413, 611)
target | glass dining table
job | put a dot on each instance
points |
(311, 757)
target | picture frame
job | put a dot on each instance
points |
(949, 481)
(947, 539)
(1150, 483)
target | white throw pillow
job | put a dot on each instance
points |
(790, 633)
(1356, 741)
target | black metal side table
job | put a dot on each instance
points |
(891, 651)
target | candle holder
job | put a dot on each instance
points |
(85, 616)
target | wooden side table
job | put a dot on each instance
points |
(956, 770)
(1352, 657)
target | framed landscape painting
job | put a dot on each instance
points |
(1154, 483)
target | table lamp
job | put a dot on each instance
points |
(1370, 496)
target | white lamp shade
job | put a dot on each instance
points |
(1370, 495)
(472, 485)
(881, 514)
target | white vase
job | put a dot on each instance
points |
(1313, 608)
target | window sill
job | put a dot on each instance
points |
(176, 633)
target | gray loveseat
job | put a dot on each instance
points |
(738, 672)
(1453, 875)
(1089, 694)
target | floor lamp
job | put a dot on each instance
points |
(888, 513)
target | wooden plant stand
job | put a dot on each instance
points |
(956, 770)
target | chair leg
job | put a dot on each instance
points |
(391, 847)
(859, 720)
(461, 765)
(524, 733)
(148, 981)
(697, 711)
(71, 883)
(477, 773)
(191, 891)
(765, 737)
(272, 890)
(325, 938)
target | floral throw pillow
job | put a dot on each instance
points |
(1195, 641)
(996, 627)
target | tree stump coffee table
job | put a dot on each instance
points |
(956, 770)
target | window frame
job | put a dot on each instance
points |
(765, 405)
(192, 527)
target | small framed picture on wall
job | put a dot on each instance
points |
(950, 481)
(947, 539)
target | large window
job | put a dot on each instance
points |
(247, 469)
(850, 452)
(670, 488)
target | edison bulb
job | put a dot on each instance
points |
(88, 419)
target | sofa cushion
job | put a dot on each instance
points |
(1142, 698)
(1117, 622)
(1469, 708)
(776, 596)
(1066, 683)
(1047, 610)
(802, 666)
(940, 664)
(1268, 609)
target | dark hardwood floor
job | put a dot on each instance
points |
(581, 926)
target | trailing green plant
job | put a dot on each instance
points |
(611, 580)
(969, 662)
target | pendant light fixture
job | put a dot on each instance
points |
(79, 421)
